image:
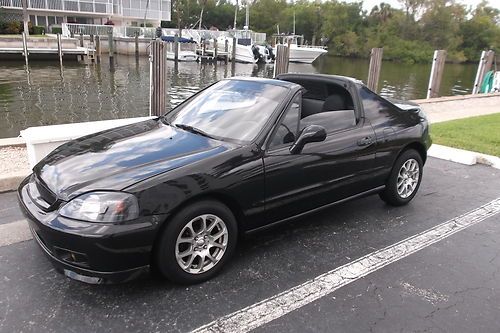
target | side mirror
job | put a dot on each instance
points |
(312, 133)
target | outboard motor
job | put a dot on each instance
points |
(271, 53)
(158, 32)
(256, 53)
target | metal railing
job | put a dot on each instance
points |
(86, 29)
(85, 6)
(132, 31)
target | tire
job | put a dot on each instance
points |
(184, 234)
(408, 189)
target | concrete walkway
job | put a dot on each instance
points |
(458, 107)
(14, 164)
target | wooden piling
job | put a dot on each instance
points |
(98, 48)
(25, 48)
(374, 69)
(233, 51)
(136, 44)
(111, 45)
(91, 49)
(281, 61)
(158, 74)
(176, 47)
(59, 50)
(485, 64)
(81, 45)
(226, 50)
(438, 62)
(215, 50)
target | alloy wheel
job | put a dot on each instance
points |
(201, 244)
(408, 177)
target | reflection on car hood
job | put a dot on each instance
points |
(120, 157)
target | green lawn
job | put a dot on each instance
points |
(480, 134)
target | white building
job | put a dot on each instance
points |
(120, 12)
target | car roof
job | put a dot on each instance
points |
(321, 77)
(286, 84)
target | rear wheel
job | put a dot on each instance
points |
(404, 180)
(197, 242)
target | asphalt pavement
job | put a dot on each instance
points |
(450, 285)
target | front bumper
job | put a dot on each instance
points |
(91, 252)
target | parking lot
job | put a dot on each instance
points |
(449, 285)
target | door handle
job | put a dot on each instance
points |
(365, 141)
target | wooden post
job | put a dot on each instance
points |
(98, 48)
(226, 49)
(436, 73)
(215, 49)
(158, 74)
(288, 52)
(91, 49)
(374, 70)
(25, 48)
(137, 44)
(176, 47)
(59, 49)
(485, 64)
(81, 44)
(111, 45)
(233, 51)
(281, 61)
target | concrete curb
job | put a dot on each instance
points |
(11, 181)
(463, 156)
(12, 142)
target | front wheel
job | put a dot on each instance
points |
(197, 242)
(404, 180)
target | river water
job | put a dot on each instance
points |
(87, 92)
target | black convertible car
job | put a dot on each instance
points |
(176, 192)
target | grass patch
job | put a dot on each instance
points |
(480, 134)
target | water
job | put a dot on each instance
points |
(87, 92)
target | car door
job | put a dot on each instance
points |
(323, 172)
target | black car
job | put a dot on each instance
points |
(176, 192)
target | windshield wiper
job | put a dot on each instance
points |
(193, 130)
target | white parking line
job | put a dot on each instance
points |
(14, 232)
(292, 299)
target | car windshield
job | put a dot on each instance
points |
(230, 109)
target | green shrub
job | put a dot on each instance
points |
(56, 30)
(13, 28)
(38, 30)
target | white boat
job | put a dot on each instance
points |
(247, 49)
(299, 52)
(186, 49)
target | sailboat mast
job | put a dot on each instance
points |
(294, 21)
(235, 14)
(247, 15)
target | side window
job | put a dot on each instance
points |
(288, 128)
(373, 104)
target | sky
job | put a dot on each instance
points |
(369, 4)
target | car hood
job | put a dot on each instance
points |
(120, 157)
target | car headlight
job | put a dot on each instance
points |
(102, 207)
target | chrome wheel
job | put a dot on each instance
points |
(201, 244)
(408, 177)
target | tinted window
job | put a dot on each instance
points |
(287, 130)
(373, 104)
(230, 109)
